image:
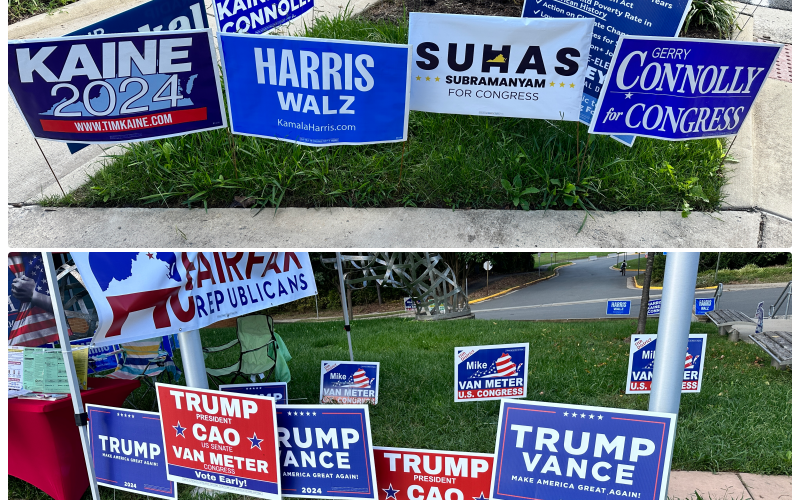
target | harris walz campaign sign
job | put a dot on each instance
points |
(257, 16)
(410, 474)
(326, 452)
(140, 295)
(316, 92)
(679, 89)
(498, 66)
(484, 373)
(643, 353)
(128, 451)
(555, 451)
(349, 382)
(220, 440)
(117, 88)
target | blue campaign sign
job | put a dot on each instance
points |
(117, 88)
(643, 353)
(702, 306)
(349, 382)
(681, 88)
(490, 372)
(612, 19)
(654, 307)
(276, 390)
(618, 307)
(128, 451)
(326, 451)
(100, 358)
(549, 451)
(316, 92)
(256, 17)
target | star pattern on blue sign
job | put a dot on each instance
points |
(179, 430)
(390, 493)
(480, 497)
(255, 442)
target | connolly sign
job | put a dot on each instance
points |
(254, 16)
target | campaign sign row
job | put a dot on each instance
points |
(623, 307)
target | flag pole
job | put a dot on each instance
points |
(74, 385)
(339, 265)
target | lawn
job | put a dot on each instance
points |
(449, 161)
(23, 9)
(740, 422)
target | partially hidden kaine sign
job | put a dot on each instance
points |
(326, 452)
(220, 440)
(681, 88)
(275, 390)
(411, 474)
(316, 92)
(704, 305)
(349, 382)
(654, 307)
(491, 372)
(618, 307)
(128, 451)
(254, 16)
(549, 451)
(643, 353)
(117, 88)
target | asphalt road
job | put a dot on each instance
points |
(581, 291)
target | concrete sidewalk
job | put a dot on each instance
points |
(728, 486)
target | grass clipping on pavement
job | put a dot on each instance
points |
(449, 161)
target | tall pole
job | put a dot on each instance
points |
(194, 365)
(339, 265)
(74, 385)
(719, 255)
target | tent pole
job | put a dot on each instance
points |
(339, 265)
(194, 365)
(74, 385)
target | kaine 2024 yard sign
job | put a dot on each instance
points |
(643, 353)
(349, 382)
(326, 452)
(220, 440)
(549, 451)
(491, 372)
(409, 474)
(117, 88)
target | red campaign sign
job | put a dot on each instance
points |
(122, 124)
(410, 474)
(220, 440)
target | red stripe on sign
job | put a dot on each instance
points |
(125, 124)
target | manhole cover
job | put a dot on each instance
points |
(783, 66)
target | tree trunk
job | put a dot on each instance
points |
(648, 273)
(349, 296)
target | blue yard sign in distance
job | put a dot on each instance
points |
(276, 390)
(703, 306)
(490, 372)
(618, 307)
(654, 307)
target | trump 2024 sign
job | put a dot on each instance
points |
(117, 88)
(326, 452)
(491, 372)
(549, 451)
(643, 354)
(349, 382)
(316, 92)
(410, 474)
(220, 440)
(681, 88)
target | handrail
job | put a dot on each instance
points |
(785, 296)
(717, 295)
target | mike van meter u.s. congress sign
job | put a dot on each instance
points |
(326, 452)
(498, 66)
(220, 440)
(491, 372)
(349, 382)
(117, 88)
(549, 451)
(643, 354)
(316, 92)
(128, 451)
(679, 89)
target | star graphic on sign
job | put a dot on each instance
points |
(390, 493)
(574, 414)
(552, 84)
(566, 414)
(427, 78)
(583, 415)
(599, 417)
(572, 85)
(628, 95)
(255, 442)
(315, 414)
(591, 416)
(179, 430)
(418, 78)
(480, 497)
(561, 84)
(308, 413)
(437, 78)
(149, 255)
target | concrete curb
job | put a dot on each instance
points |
(498, 294)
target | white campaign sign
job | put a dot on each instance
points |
(499, 66)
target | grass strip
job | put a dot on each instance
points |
(23, 9)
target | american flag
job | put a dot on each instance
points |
(689, 363)
(360, 379)
(502, 367)
(33, 325)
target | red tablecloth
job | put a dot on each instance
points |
(44, 445)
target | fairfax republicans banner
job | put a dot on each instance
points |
(274, 390)
(490, 372)
(411, 474)
(316, 92)
(643, 354)
(569, 452)
(257, 16)
(349, 382)
(128, 451)
(220, 440)
(117, 88)
(679, 89)
(326, 452)
(141, 295)
(498, 66)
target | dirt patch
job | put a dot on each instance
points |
(394, 10)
